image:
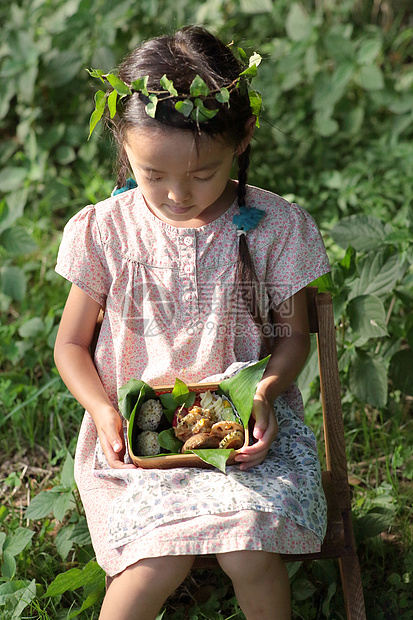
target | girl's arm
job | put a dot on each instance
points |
(76, 367)
(287, 358)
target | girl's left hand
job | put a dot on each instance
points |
(265, 431)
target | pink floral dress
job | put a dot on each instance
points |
(172, 310)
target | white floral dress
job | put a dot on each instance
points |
(171, 310)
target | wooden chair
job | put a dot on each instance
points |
(339, 541)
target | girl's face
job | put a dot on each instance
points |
(183, 185)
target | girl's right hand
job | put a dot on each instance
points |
(110, 430)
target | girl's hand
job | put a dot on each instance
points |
(265, 431)
(110, 432)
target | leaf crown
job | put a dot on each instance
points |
(191, 105)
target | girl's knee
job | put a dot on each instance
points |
(167, 572)
(250, 565)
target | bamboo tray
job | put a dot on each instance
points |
(170, 461)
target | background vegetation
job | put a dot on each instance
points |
(336, 137)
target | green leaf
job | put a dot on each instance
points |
(151, 106)
(168, 401)
(41, 505)
(370, 77)
(367, 316)
(302, 589)
(32, 328)
(17, 240)
(168, 441)
(12, 178)
(112, 100)
(76, 578)
(63, 67)
(8, 565)
(67, 477)
(298, 24)
(214, 456)
(96, 73)
(64, 502)
(13, 282)
(100, 100)
(256, 104)
(18, 541)
(362, 232)
(63, 541)
(119, 85)
(180, 389)
(16, 595)
(368, 380)
(168, 85)
(130, 393)
(201, 113)
(241, 388)
(256, 6)
(185, 107)
(250, 71)
(242, 54)
(223, 95)
(94, 597)
(140, 85)
(198, 87)
(131, 396)
(379, 273)
(80, 534)
(376, 521)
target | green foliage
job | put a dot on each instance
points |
(335, 136)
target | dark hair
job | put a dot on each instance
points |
(191, 51)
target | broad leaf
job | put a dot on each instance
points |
(141, 85)
(198, 87)
(168, 85)
(214, 456)
(223, 95)
(185, 107)
(112, 100)
(129, 393)
(76, 578)
(119, 85)
(362, 232)
(41, 505)
(168, 441)
(241, 388)
(18, 541)
(368, 380)
(151, 106)
(367, 316)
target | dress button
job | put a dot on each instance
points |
(188, 296)
(188, 240)
(188, 268)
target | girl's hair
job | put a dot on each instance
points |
(189, 52)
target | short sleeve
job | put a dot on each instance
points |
(297, 258)
(81, 258)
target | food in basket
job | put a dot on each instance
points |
(208, 425)
(149, 415)
(181, 425)
(147, 443)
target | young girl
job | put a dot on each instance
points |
(187, 265)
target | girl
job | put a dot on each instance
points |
(187, 275)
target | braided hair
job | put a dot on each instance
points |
(192, 51)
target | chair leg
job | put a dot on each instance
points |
(352, 587)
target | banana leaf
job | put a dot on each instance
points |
(131, 397)
(241, 388)
(214, 456)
